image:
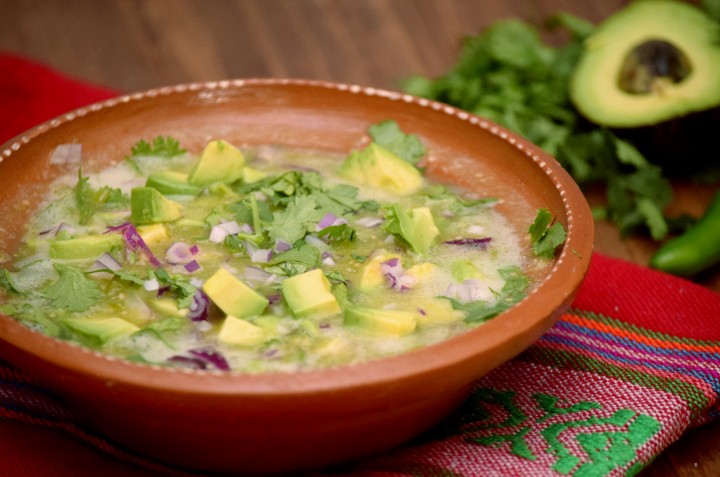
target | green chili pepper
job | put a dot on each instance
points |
(695, 250)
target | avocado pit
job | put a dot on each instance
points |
(651, 65)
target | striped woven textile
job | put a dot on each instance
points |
(630, 367)
(597, 395)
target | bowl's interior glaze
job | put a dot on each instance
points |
(339, 413)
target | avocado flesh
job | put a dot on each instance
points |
(642, 40)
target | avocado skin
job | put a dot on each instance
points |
(685, 146)
(673, 129)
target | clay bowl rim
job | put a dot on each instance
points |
(560, 283)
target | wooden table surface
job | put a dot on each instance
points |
(133, 45)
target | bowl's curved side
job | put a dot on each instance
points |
(339, 413)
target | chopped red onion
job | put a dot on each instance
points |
(328, 259)
(474, 242)
(398, 280)
(257, 275)
(194, 249)
(327, 220)
(471, 289)
(134, 242)
(476, 229)
(316, 241)
(261, 255)
(282, 246)
(220, 231)
(275, 298)
(179, 253)
(66, 154)
(105, 262)
(192, 266)
(212, 357)
(198, 309)
(369, 221)
(151, 284)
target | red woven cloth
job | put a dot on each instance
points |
(632, 365)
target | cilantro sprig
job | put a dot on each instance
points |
(73, 291)
(161, 146)
(88, 201)
(546, 234)
(509, 75)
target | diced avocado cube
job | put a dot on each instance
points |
(104, 329)
(88, 246)
(309, 294)
(239, 332)
(380, 321)
(376, 166)
(233, 296)
(172, 183)
(220, 161)
(464, 269)
(148, 206)
(250, 174)
(437, 311)
(415, 227)
(167, 307)
(422, 271)
(153, 234)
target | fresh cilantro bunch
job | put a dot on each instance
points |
(510, 76)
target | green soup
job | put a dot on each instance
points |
(259, 259)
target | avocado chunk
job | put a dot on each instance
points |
(104, 329)
(648, 63)
(239, 332)
(172, 183)
(88, 246)
(233, 296)
(415, 228)
(148, 206)
(376, 166)
(309, 294)
(220, 161)
(381, 321)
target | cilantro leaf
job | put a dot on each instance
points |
(337, 233)
(177, 284)
(546, 234)
(7, 281)
(161, 146)
(299, 259)
(72, 291)
(292, 223)
(389, 135)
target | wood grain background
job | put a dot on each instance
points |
(133, 45)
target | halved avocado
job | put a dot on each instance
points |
(651, 72)
(652, 61)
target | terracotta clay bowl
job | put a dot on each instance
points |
(279, 422)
